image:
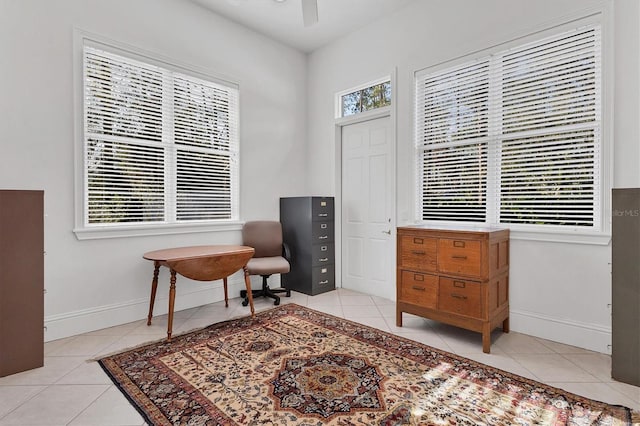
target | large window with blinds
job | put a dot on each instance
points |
(514, 137)
(160, 144)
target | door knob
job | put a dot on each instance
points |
(387, 232)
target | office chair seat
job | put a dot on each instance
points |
(268, 265)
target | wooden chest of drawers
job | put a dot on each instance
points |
(459, 277)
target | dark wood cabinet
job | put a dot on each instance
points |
(308, 231)
(460, 277)
(21, 281)
(625, 286)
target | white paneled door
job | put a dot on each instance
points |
(368, 221)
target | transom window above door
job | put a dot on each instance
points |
(373, 95)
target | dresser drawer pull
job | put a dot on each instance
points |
(458, 244)
(418, 241)
(323, 214)
(459, 257)
(415, 287)
(459, 284)
(324, 282)
(324, 259)
(323, 237)
(458, 296)
(418, 252)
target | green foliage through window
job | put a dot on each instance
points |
(376, 96)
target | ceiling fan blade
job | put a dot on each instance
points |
(309, 12)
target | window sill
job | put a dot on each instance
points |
(598, 239)
(125, 231)
(577, 236)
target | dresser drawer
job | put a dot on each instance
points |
(322, 254)
(322, 232)
(460, 297)
(321, 208)
(417, 253)
(419, 289)
(459, 257)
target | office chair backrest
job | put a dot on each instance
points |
(264, 236)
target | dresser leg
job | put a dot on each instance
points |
(486, 338)
(398, 317)
(505, 325)
(154, 288)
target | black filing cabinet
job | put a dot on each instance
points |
(308, 230)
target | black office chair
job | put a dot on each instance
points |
(271, 257)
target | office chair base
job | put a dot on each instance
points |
(265, 291)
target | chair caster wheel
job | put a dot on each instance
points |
(245, 302)
(277, 302)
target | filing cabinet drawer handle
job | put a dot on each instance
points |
(323, 214)
(324, 282)
(415, 287)
(323, 237)
(458, 296)
(324, 259)
(418, 252)
(458, 257)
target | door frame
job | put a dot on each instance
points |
(391, 112)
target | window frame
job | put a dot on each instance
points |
(82, 230)
(579, 235)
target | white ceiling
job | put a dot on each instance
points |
(282, 21)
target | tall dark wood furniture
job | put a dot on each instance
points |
(21, 281)
(625, 285)
(308, 230)
(460, 277)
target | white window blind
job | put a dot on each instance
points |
(514, 137)
(160, 146)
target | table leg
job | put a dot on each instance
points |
(172, 299)
(226, 293)
(247, 282)
(154, 287)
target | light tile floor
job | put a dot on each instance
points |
(72, 390)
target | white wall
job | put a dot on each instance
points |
(98, 283)
(559, 290)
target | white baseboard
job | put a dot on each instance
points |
(86, 320)
(583, 335)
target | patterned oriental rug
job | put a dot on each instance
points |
(294, 366)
